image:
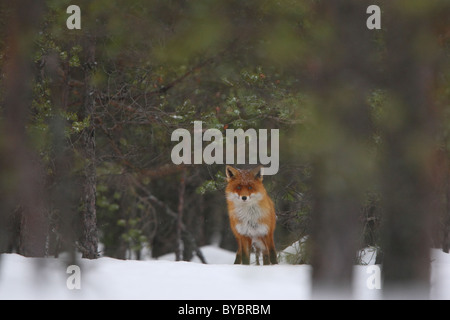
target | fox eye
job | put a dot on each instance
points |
(249, 188)
(239, 187)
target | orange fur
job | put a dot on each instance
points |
(251, 213)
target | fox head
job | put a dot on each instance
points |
(244, 186)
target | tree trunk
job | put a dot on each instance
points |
(62, 188)
(409, 144)
(179, 239)
(341, 162)
(22, 176)
(89, 240)
(446, 213)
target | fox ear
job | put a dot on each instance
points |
(231, 173)
(258, 173)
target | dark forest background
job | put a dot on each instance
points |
(87, 115)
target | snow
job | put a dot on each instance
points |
(440, 275)
(165, 279)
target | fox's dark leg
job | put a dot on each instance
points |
(273, 256)
(238, 259)
(270, 254)
(246, 247)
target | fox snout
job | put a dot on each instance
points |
(252, 198)
(243, 198)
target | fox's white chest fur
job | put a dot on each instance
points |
(249, 213)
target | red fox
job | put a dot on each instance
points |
(251, 213)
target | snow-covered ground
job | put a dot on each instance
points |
(106, 278)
